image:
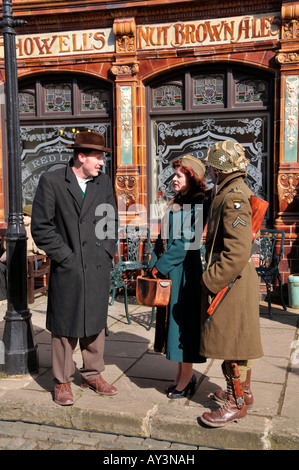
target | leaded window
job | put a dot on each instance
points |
(168, 95)
(26, 103)
(208, 89)
(58, 98)
(251, 91)
(95, 100)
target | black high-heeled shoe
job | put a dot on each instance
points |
(190, 387)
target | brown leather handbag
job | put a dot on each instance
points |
(153, 292)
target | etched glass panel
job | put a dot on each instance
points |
(95, 100)
(208, 89)
(251, 91)
(167, 95)
(173, 138)
(26, 103)
(44, 148)
(58, 98)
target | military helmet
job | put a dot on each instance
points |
(227, 156)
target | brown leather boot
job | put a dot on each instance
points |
(63, 394)
(221, 395)
(230, 411)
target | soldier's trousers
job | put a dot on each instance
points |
(243, 366)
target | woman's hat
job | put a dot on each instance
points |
(196, 165)
(90, 140)
(27, 210)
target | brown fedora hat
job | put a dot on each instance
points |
(89, 140)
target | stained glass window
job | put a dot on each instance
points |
(208, 89)
(26, 103)
(95, 100)
(58, 98)
(250, 91)
(167, 95)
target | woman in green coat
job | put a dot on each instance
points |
(177, 256)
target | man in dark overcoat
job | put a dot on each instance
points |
(233, 332)
(75, 221)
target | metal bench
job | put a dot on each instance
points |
(134, 248)
(38, 272)
(270, 256)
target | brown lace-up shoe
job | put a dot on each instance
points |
(99, 385)
(221, 395)
(63, 394)
(230, 411)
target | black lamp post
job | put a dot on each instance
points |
(20, 349)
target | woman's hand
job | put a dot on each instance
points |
(154, 272)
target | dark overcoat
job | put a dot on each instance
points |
(70, 230)
(234, 331)
(181, 262)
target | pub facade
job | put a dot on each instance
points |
(160, 80)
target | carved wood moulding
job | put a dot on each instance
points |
(124, 70)
(127, 186)
(288, 54)
(126, 64)
(125, 35)
(288, 190)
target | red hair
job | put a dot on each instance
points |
(195, 181)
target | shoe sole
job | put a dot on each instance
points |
(218, 425)
(63, 404)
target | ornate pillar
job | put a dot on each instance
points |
(288, 172)
(288, 169)
(125, 70)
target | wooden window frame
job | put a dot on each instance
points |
(78, 85)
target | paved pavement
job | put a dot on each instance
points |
(141, 409)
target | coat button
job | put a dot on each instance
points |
(83, 243)
(98, 244)
(99, 266)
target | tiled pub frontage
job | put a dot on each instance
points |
(160, 80)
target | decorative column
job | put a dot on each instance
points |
(125, 70)
(288, 169)
(288, 172)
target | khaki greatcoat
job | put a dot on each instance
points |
(233, 332)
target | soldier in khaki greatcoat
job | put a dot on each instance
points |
(233, 332)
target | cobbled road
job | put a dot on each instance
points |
(17, 435)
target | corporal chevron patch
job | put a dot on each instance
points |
(238, 221)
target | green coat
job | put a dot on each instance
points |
(234, 330)
(183, 266)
